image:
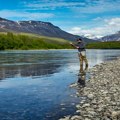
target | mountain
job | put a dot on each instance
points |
(113, 37)
(37, 27)
(91, 36)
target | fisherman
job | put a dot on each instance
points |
(81, 52)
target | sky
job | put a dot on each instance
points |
(80, 17)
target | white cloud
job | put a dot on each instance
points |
(110, 26)
(53, 4)
(92, 36)
(113, 22)
(24, 15)
(87, 6)
(99, 6)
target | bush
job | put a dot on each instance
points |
(104, 45)
(25, 42)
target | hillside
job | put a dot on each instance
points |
(113, 37)
(104, 45)
(24, 41)
(37, 27)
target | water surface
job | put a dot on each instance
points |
(35, 84)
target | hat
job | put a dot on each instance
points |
(79, 39)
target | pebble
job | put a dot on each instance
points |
(86, 105)
(90, 96)
(103, 94)
(116, 114)
(76, 117)
(65, 118)
(87, 119)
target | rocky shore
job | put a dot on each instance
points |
(100, 98)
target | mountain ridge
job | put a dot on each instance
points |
(38, 27)
(112, 37)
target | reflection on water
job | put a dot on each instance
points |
(35, 84)
(99, 56)
(82, 77)
(80, 83)
(30, 63)
(27, 70)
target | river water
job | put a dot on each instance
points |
(34, 85)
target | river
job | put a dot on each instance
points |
(34, 84)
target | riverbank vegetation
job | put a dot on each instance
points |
(104, 45)
(25, 41)
(29, 41)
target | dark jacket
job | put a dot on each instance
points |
(81, 46)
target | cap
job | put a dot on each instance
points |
(79, 39)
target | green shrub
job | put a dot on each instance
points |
(25, 42)
(104, 45)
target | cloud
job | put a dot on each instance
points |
(87, 6)
(99, 6)
(24, 15)
(110, 26)
(53, 4)
(113, 22)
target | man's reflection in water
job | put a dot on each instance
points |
(82, 77)
(81, 82)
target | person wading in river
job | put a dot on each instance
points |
(81, 53)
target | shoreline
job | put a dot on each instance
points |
(47, 49)
(100, 99)
(57, 49)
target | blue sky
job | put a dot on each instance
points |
(82, 17)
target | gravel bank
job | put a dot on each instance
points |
(101, 96)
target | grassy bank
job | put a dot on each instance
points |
(25, 41)
(104, 45)
(30, 41)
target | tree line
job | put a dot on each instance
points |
(12, 41)
(104, 45)
(24, 42)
